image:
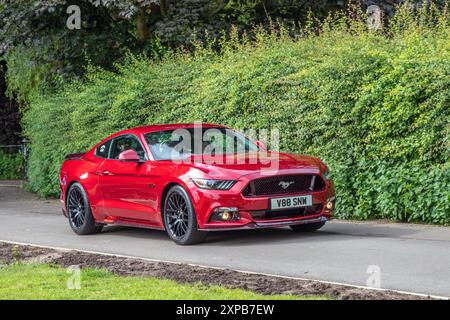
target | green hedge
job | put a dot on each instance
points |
(11, 166)
(375, 107)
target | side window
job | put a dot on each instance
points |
(124, 143)
(102, 151)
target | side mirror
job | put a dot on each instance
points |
(129, 156)
(261, 145)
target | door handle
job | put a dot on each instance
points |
(105, 173)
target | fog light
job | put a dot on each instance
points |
(225, 214)
(330, 204)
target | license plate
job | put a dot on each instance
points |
(291, 202)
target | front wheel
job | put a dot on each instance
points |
(180, 219)
(308, 227)
(79, 212)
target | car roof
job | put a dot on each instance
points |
(158, 127)
(172, 126)
(154, 128)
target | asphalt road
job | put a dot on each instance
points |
(408, 257)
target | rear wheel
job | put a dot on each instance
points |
(79, 212)
(180, 219)
(308, 227)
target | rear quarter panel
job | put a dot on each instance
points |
(83, 171)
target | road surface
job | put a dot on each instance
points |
(406, 257)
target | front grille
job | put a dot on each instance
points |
(277, 185)
(286, 213)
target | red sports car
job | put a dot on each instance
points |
(189, 179)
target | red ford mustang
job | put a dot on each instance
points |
(189, 179)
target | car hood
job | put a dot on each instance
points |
(255, 164)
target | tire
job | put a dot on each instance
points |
(307, 227)
(79, 212)
(180, 220)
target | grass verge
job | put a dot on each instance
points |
(42, 281)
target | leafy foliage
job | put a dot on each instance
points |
(374, 106)
(11, 166)
(40, 50)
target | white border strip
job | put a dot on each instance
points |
(424, 295)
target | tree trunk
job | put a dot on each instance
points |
(141, 26)
(163, 7)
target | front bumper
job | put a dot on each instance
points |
(270, 224)
(205, 201)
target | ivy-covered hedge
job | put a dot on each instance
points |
(11, 166)
(374, 106)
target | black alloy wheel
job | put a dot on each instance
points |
(79, 212)
(76, 208)
(180, 219)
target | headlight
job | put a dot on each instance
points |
(326, 175)
(214, 184)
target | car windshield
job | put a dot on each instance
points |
(182, 143)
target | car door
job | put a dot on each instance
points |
(126, 188)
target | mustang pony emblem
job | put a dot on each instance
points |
(285, 184)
